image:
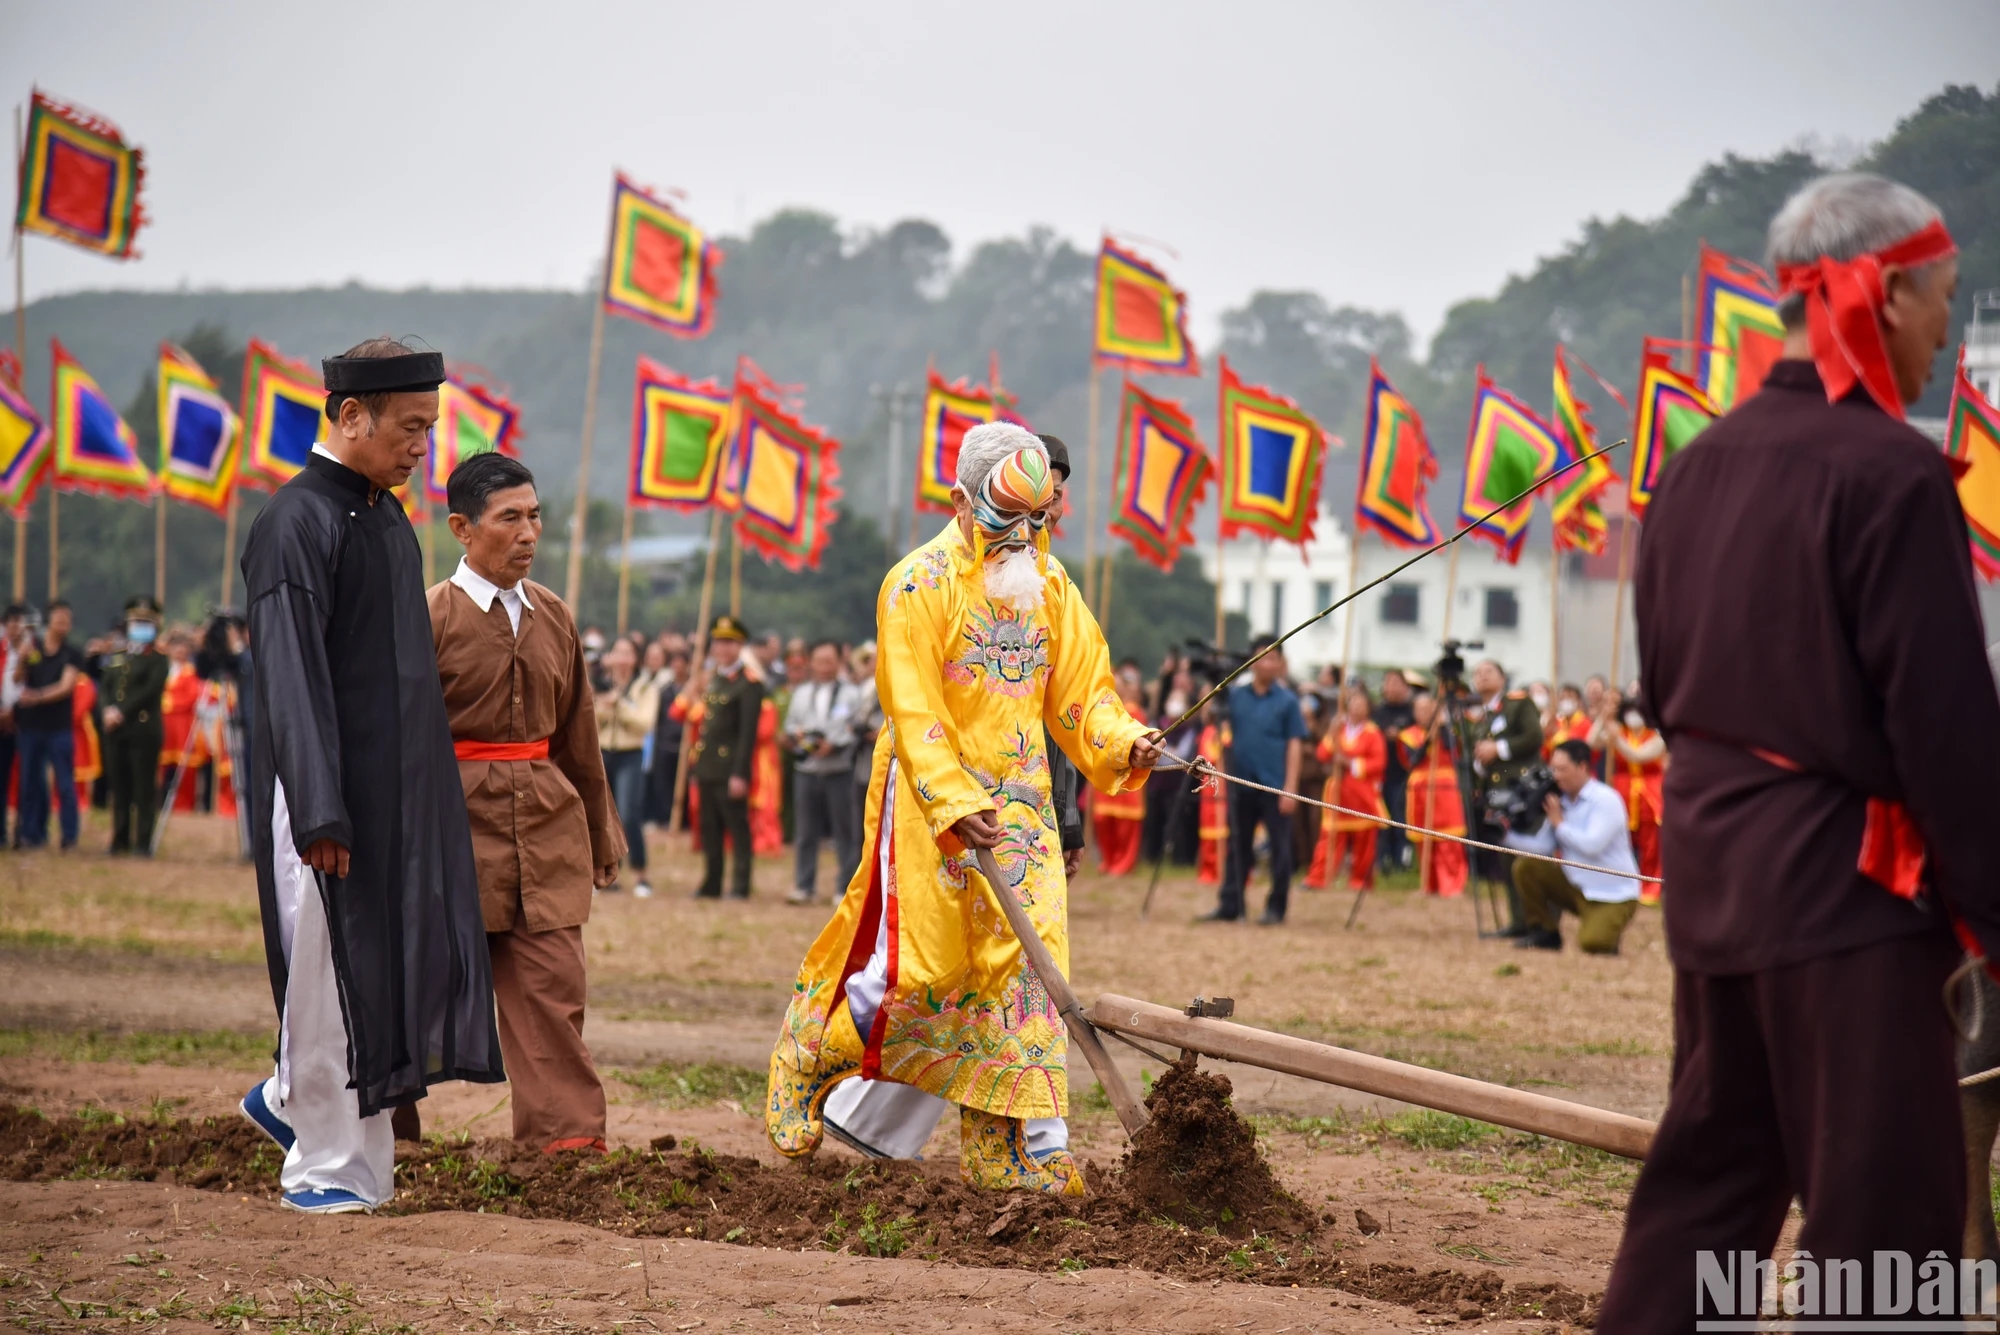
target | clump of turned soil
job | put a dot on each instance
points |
(1196, 1160)
(1235, 1221)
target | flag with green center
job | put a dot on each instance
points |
(1672, 411)
(1507, 448)
(1573, 508)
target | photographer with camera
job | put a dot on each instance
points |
(1580, 817)
(819, 734)
(1504, 743)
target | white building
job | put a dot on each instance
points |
(1982, 345)
(1506, 608)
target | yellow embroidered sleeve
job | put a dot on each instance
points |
(1082, 708)
(913, 616)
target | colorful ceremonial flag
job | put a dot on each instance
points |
(24, 441)
(1271, 452)
(680, 431)
(1397, 468)
(661, 268)
(95, 450)
(1162, 473)
(1672, 411)
(1972, 442)
(1141, 317)
(1507, 448)
(198, 433)
(80, 181)
(1573, 506)
(787, 473)
(284, 404)
(1737, 332)
(950, 410)
(473, 418)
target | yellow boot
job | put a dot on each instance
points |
(795, 1096)
(993, 1152)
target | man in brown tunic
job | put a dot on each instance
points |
(544, 831)
(1821, 839)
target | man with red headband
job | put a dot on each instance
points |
(1821, 840)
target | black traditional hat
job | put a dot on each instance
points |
(406, 372)
(727, 627)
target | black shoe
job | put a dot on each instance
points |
(1518, 929)
(1539, 938)
(1217, 915)
(739, 894)
(1270, 919)
(708, 894)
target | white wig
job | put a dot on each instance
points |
(1841, 216)
(986, 445)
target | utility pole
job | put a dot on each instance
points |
(895, 400)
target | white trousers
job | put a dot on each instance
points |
(337, 1147)
(896, 1121)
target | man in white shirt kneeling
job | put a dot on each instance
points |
(1586, 823)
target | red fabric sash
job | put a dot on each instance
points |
(502, 750)
(1844, 308)
(1892, 848)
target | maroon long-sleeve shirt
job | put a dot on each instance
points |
(1804, 587)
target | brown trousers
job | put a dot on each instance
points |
(539, 985)
(1832, 1080)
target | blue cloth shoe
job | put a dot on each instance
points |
(259, 1112)
(326, 1200)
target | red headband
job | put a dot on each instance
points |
(1844, 308)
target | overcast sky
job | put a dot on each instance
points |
(1390, 155)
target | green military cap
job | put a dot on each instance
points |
(143, 607)
(727, 627)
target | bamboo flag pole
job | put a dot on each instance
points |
(1221, 619)
(1618, 599)
(229, 542)
(21, 352)
(676, 813)
(579, 522)
(625, 568)
(1104, 611)
(735, 574)
(1555, 606)
(160, 549)
(1091, 488)
(1347, 632)
(55, 544)
(1450, 590)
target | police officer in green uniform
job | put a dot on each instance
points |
(1504, 742)
(133, 682)
(721, 760)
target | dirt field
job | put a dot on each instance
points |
(138, 990)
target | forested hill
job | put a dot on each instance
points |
(841, 310)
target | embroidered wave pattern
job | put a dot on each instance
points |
(1002, 1056)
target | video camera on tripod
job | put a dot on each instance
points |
(1211, 661)
(1450, 668)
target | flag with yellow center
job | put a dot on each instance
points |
(24, 441)
(1161, 475)
(787, 474)
(1972, 443)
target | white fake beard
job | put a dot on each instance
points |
(1012, 578)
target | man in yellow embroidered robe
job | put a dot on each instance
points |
(917, 980)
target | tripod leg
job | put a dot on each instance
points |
(1167, 841)
(1354, 909)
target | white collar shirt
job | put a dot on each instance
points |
(483, 591)
(1593, 830)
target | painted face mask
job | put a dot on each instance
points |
(1012, 504)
